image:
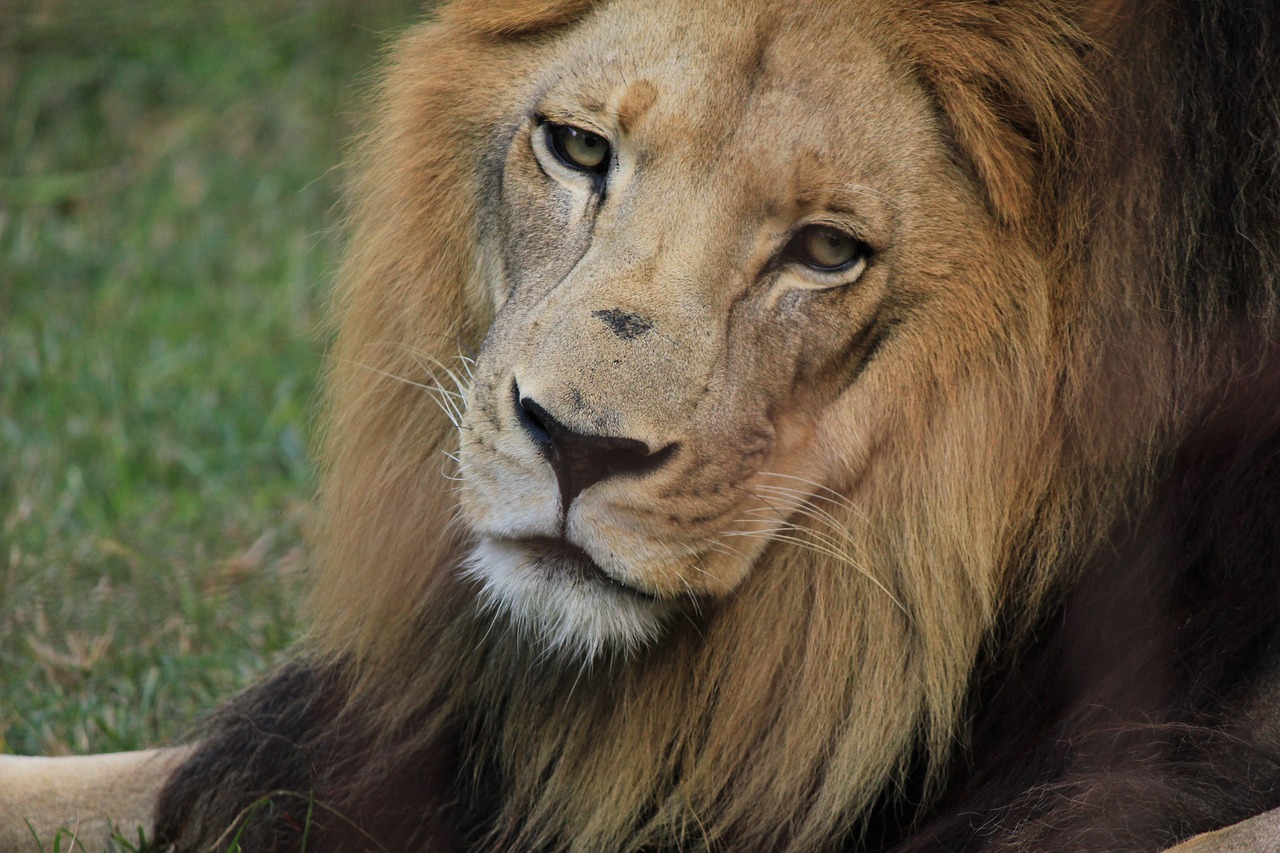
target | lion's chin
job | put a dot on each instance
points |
(555, 596)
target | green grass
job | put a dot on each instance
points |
(166, 203)
(68, 841)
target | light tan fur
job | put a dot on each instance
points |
(1250, 836)
(82, 797)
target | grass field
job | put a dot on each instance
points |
(167, 194)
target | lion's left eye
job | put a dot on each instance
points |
(580, 150)
(826, 249)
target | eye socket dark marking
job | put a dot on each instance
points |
(577, 149)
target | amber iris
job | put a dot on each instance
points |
(580, 150)
(826, 249)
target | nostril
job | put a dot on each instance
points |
(582, 459)
(533, 419)
(628, 456)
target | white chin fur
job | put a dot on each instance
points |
(566, 613)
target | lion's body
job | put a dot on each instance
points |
(971, 541)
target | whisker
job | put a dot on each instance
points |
(840, 557)
(832, 542)
(463, 388)
(821, 487)
(439, 394)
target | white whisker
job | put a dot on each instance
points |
(831, 537)
(440, 395)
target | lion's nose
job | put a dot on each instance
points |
(579, 459)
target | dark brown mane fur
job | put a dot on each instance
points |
(1127, 698)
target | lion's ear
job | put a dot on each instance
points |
(1008, 77)
(514, 17)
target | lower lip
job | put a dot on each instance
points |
(558, 557)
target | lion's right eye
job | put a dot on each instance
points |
(578, 149)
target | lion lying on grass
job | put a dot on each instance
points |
(810, 426)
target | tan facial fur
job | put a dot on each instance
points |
(657, 303)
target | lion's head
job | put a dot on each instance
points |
(717, 302)
(700, 392)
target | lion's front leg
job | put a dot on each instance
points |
(89, 796)
(1261, 832)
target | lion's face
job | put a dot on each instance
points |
(732, 255)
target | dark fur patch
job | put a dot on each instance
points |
(625, 324)
(281, 769)
(1128, 725)
(1143, 712)
(255, 773)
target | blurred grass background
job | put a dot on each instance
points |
(167, 199)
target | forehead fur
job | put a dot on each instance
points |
(747, 88)
(1005, 79)
(514, 17)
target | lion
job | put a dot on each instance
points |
(835, 425)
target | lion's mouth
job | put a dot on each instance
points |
(554, 593)
(558, 559)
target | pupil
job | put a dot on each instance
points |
(830, 247)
